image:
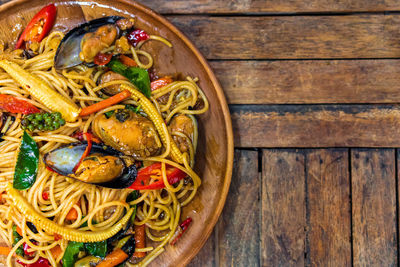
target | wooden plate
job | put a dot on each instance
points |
(215, 150)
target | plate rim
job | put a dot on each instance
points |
(186, 258)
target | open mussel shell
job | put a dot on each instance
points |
(67, 54)
(103, 166)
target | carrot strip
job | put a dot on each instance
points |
(127, 61)
(140, 240)
(105, 103)
(5, 250)
(116, 257)
(72, 214)
(56, 251)
(19, 231)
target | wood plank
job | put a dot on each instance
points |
(283, 222)
(309, 81)
(206, 256)
(328, 184)
(275, 6)
(238, 227)
(374, 207)
(316, 125)
(293, 37)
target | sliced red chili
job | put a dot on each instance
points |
(41, 262)
(27, 251)
(79, 135)
(154, 85)
(45, 195)
(39, 26)
(174, 175)
(135, 36)
(14, 105)
(86, 152)
(102, 59)
(182, 228)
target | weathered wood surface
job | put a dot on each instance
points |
(328, 194)
(293, 37)
(238, 227)
(316, 126)
(309, 81)
(275, 6)
(374, 207)
(283, 208)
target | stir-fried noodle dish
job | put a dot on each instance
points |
(97, 149)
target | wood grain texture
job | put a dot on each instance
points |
(374, 207)
(309, 81)
(328, 184)
(316, 125)
(259, 6)
(293, 37)
(206, 256)
(238, 226)
(283, 208)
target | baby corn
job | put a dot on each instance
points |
(46, 95)
(157, 120)
(53, 228)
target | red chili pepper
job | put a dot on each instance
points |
(39, 26)
(45, 195)
(174, 175)
(154, 85)
(135, 36)
(87, 150)
(26, 248)
(12, 104)
(182, 228)
(102, 59)
(41, 262)
(57, 236)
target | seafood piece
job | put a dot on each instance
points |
(103, 166)
(68, 52)
(184, 125)
(129, 133)
(110, 76)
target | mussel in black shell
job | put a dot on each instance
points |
(103, 166)
(83, 42)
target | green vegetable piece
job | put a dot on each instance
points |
(109, 114)
(131, 197)
(16, 239)
(40, 127)
(57, 115)
(46, 115)
(71, 253)
(31, 127)
(56, 124)
(98, 249)
(139, 77)
(62, 122)
(122, 241)
(39, 116)
(27, 163)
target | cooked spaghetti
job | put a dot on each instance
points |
(86, 212)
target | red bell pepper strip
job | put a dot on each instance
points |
(41, 262)
(14, 105)
(174, 175)
(39, 26)
(181, 229)
(86, 152)
(154, 85)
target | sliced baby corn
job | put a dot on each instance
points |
(36, 87)
(51, 227)
(157, 120)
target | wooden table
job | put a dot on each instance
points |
(313, 88)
